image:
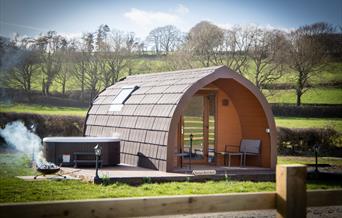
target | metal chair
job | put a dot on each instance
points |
(248, 147)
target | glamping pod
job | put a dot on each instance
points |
(226, 116)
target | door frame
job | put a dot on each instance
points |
(206, 114)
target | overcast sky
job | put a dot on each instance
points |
(74, 17)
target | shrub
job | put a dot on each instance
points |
(292, 141)
(47, 125)
(320, 111)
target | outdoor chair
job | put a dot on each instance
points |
(248, 147)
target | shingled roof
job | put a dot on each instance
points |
(144, 120)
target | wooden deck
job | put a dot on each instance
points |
(137, 175)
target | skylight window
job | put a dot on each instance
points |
(122, 97)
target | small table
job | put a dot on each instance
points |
(229, 154)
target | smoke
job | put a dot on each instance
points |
(24, 140)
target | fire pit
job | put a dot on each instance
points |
(48, 169)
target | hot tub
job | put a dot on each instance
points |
(76, 151)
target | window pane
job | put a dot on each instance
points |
(120, 99)
(122, 96)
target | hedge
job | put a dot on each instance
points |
(282, 86)
(47, 125)
(299, 140)
(318, 111)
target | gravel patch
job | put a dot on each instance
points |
(312, 212)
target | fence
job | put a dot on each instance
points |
(290, 200)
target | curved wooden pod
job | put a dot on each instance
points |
(148, 123)
(250, 115)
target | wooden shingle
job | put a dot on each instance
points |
(143, 110)
(145, 122)
(135, 99)
(128, 121)
(129, 110)
(162, 110)
(137, 135)
(157, 89)
(170, 98)
(161, 123)
(114, 120)
(151, 99)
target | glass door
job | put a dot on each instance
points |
(199, 121)
(211, 127)
(193, 123)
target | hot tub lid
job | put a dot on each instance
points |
(81, 139)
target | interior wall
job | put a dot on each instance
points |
(253, 121)
(228, 128)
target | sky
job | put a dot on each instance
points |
(74, 17)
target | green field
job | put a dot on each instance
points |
(44, 110)
(312, 96)
(301, 122)
(17, 190)
(336, 161)
(332, 73)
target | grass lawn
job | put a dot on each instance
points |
(45, 110)
(301, 122)
(16, 190)
(312, 96)
(337, 161)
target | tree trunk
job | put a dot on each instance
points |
(63, 88)
(43, 87)
(82, 87)
(47, 88)
(299, 96)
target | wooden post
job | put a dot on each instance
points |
(291, 191)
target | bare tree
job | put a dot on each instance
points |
(101, 54)
(266, 55)
(101, 36)
(154, 38)
(234, 48)
(81, 58)
(306, 54)
(22, 63)
(180, 59)
(164, 39)
(49, 45)
(203, 40)
(68, 49)
(117, 55)
(79, 70)
(92, 76)
(132, 46)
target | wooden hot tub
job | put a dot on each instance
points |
(76, 151)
